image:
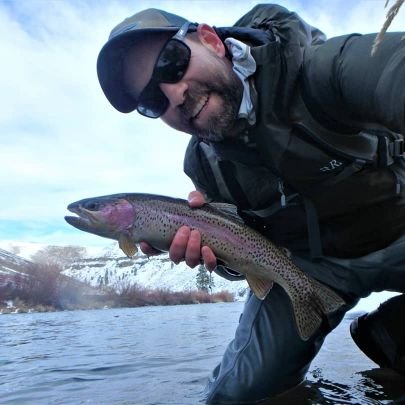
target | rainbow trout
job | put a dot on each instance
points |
(132, 218)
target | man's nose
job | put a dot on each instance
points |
(175, 92)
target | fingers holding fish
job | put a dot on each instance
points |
(209, 258)
(186, 245)
(179, 245)
(193, 250)
(196, 199)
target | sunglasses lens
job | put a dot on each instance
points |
(170, 67)
(152, 102)
(172, 62)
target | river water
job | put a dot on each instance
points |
(160, 355)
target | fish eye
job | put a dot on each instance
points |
(91, 205)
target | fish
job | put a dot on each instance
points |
(131, 218)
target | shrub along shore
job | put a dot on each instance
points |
(48, 297)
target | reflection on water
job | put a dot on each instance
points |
(160, 355)
(368, 387)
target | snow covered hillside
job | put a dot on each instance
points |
(116, 270)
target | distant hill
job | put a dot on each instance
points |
(12, 262)
(13, 269)
(115, 270)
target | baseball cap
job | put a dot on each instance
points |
(122, 38)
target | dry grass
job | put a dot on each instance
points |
(44, 289)
(132, 295)
(392, 12)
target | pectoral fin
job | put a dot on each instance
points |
(127, 245)
(259, 287)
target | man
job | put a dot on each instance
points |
(303, 136)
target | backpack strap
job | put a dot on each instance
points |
(229, 188)
(374, 145)
(213, 162)
(314, 232)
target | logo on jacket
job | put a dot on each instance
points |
(331, 166)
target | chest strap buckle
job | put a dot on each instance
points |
(396, 148)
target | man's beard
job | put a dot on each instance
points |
(220, 124)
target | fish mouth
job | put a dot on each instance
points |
(78, 222)
(82, 221)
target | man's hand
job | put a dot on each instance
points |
(186, 244)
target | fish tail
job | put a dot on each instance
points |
(310, 309)
(329, 299)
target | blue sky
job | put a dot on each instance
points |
(61, 140)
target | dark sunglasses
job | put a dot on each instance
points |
(170, 67)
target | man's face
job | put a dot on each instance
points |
(205, 102)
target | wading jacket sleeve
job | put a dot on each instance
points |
(343, 83)
(307, 89)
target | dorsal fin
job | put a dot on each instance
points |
(229, 210)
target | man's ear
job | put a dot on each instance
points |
(209, 38)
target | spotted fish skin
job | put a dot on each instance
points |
(135, 217)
